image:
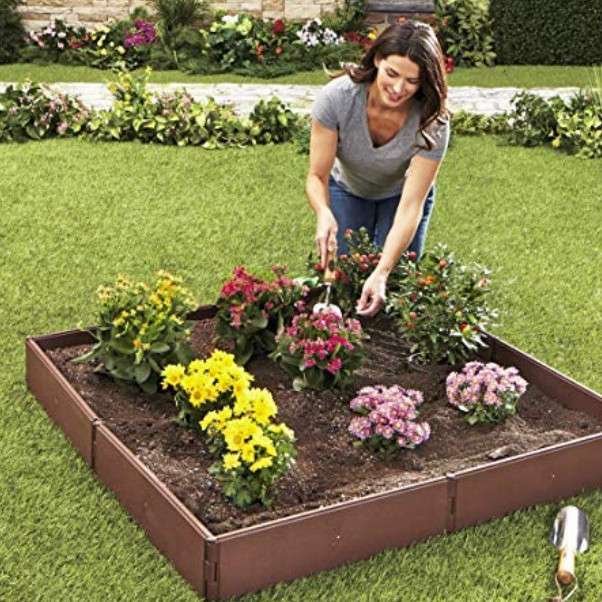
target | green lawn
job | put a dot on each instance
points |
(524, 76)
(534, 216)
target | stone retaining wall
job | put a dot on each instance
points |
(89, 13)
(38, 13)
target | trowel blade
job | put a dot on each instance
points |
(570, 529)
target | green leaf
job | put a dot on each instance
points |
(298, 384)
(159, 347)
(123, 346)
(142, 372)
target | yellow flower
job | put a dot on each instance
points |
(263, 405)
(242, 405)
(248, 453)
(282, 428)
(196, 366)
(231, 461)
(208, 419)
(267, 444)
(137, 344)
(261, 463)
(197, 397)
(223, 416)
(237, 431)
(172, 375)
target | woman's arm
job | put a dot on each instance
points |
(419, 178)
(322, 151)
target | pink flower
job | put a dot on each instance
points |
(334, 365)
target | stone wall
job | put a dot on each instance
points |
(38, 13)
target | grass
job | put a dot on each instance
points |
(523, 76)
(531, 215)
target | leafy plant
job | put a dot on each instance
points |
(31, 111)
(351, 269)
(12, 31)
(251, 311)
(533, 119)
(475, 124)
(387, 420)
(440, 307)
(487, 393)
(320, 351)
(176, 14)
(302, 135)
(56, 43)
(579, 123)
(348, 16)
(273, 121)
(255, 457)
(141, 329)
(215, 396)
(465, 29)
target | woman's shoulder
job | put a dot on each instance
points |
(342, 87)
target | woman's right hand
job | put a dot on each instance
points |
(326, 234)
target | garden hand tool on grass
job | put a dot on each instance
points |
(570, 534)
(329, 276)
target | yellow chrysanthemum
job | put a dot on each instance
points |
(242, 402)
(196, 366)
(238, 431)
(208, 420)
(261, 463)
(282, 428)
(173, 375)
(247, 453)
(267, 444)
(197, 397)
(263, 406)
(231, 461)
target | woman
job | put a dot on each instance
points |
(378, 135)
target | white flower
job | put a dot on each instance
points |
(62, 34)
(230, 19)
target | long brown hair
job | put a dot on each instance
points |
(418, 42)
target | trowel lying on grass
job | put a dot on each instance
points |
(329, 277)
(570, 534)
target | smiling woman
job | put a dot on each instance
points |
(379, 133)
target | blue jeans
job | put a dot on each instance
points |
(377, 217)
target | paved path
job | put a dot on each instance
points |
(476, 100)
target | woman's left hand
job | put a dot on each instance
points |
(373, 295)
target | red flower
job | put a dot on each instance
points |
(450, 64)
(278, 27)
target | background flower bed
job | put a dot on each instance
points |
(49, 498)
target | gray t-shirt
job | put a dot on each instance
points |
(359, 167)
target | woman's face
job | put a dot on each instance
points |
(397, 80)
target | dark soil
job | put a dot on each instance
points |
(328, 468)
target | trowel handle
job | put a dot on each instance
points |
(566, 566)
(331, 251)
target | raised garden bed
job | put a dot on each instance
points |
(339, 504)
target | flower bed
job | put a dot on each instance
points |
(340, 503)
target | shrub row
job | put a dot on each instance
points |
(547, 32)
(574, 126)
(34, 111)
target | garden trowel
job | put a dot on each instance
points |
(570, 534)
(329, 277)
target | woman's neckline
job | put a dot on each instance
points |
(373, 146)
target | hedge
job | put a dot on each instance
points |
(547, 32)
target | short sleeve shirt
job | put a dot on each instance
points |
(361, 168)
